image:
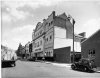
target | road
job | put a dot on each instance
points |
(26, 69)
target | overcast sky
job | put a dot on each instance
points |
(19, 17)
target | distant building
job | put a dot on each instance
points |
(27, 53)
(23, 52)
(91, 48)
(30, 48)
(55, 32)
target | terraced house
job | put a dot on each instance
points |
(54, 33)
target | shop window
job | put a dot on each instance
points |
(46, 53)
(49, 53)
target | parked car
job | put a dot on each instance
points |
(84, 65)
(31, 59)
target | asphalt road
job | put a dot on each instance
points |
(26, 69)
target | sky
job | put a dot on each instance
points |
(19, 17)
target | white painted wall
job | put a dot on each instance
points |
(60, 40)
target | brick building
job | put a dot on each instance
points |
(55, 32)
(91, 48)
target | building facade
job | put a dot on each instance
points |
(38, 41)
(55, 32)
(27, 53)
(91, 48)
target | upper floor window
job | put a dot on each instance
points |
(50, 37)
(40, 32)
(46, 23)
(47, 39)
(41, 42)
(51, 22)
(37, 44)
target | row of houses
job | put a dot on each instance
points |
(52, 39)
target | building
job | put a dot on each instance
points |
(91, 48)
(27, 53)
(23, 52)
(55, 32)
(30, 49)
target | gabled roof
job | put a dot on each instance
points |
(91, 36)
(63, 15)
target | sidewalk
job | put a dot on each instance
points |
(67, 65)
(59, 64)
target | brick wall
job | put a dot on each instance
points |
(92, 44)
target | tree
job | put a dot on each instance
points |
(19, 50)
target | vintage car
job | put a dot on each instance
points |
(84, 65)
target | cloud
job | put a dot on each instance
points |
(6, 17)
(9, 9)
(91, 26)
(18, 35)
(21, 14)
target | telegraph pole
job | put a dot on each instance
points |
(73, 22)
(73, 40)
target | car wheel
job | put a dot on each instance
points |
(85, 69)
(73, 67)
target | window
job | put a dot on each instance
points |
(50, 37)
(38, 44)
(46, 23)
(38, 34)
(49, 53)
(34, 45)
(47, 39)
(41, 42)
(49, 24)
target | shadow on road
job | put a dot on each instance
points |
(84, 71)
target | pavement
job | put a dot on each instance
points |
(59, 64)
(68, 65)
